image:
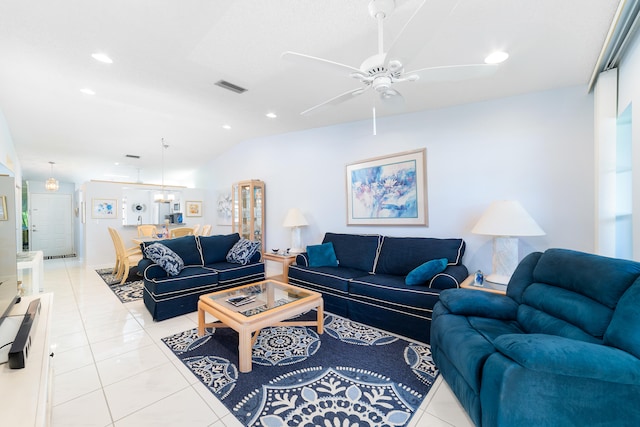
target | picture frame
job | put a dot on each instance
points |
(224, 208)
(388, 190)
(104, 208)
(193, 208)
(3, 206)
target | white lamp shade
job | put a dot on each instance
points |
(294, 218)
(507, 218)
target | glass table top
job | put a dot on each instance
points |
(258, 297)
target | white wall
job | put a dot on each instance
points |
(536, 148)
(97, 247)
(629, 94)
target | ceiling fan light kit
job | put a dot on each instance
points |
(384, 69)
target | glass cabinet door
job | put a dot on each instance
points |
(248, 210)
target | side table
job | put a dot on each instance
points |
(487, 286)
(285, 260)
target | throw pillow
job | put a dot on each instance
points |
(322, 255)
(165, 258)
(242, 251)
(425, 272)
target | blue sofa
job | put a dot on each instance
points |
(368, 285)
(561, 348)
(206, 270)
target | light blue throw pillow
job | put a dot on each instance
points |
(242, 251)
(323, 255)
(165, 258)
(425, 272)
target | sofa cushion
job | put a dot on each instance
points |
(354, 250)
(165, 258)
(230, 273)
(390, 292)
(242, 251)
(215, 248)
(400, 255)
(322, 255)
(422, 274)
(187, 248)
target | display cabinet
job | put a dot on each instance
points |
(248, 210)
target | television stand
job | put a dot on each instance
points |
(27, 392)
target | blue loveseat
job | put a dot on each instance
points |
(206, 270)
(368, 284)
(561, 348)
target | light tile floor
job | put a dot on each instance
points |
(111, 369)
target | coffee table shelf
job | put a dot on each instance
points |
(274, 302)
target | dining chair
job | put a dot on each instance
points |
(126, 257)
(196, 229)
(206, 230)
(147, 230)
(180, 231)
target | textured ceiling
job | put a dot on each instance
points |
(168, 54)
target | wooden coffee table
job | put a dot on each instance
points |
(270, 304)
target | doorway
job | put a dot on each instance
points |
(51, 225)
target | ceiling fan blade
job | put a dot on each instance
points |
(392, 99)
(336, 100)
(424, 21)
(453, 73)
(308, 60)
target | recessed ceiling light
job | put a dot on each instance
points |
(496, 57)
(227, 127)
(271, 115)
(102, 57)
(87, 91)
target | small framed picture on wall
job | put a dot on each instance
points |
(193, 208)
(3, 209)
(104, 208)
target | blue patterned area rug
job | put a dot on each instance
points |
(352, 375)
(130, 290)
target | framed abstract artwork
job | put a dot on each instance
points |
(388, 190)
(193, 208)
(104, 208)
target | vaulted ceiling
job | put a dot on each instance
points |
(167, 55)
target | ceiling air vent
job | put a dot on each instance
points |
(132, 156)
(230, 86)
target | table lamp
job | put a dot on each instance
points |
(505, 220)
(295, 220)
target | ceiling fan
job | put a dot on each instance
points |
(383, 70)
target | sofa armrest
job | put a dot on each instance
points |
(302, 259)
(469, 302)
(154, 271)
(564, 356)
(450, 278)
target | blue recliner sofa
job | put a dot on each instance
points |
(562, 348)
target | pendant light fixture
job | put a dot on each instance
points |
(163, 197)
(52, 184)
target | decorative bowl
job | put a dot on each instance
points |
(275, 251)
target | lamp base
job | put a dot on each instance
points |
(505, 259)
